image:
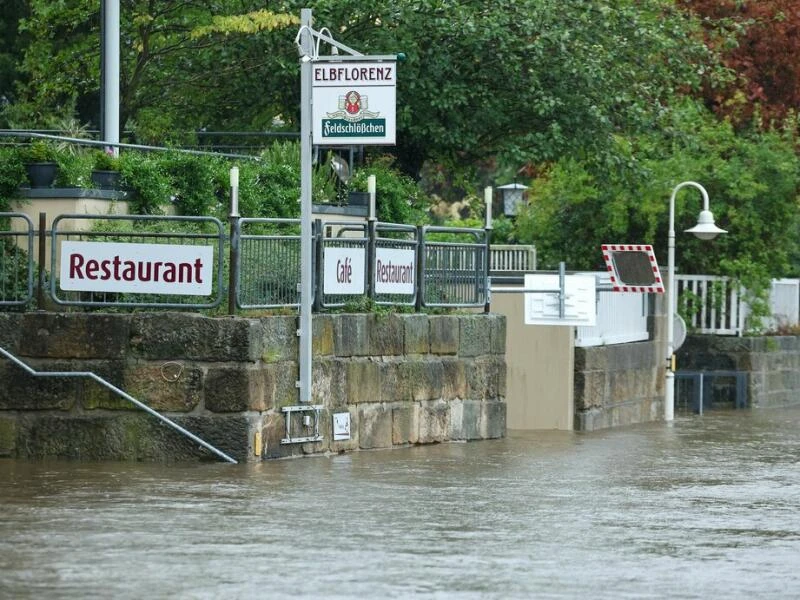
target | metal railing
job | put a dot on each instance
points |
(16, 260)
(116, 280)
(122, 394)
(454, 267)
(268, 263)
(121, 261)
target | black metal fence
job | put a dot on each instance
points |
(126, 262)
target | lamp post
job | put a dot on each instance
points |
(705, 230)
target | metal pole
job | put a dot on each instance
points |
(304, 330)
(111, 73)
(233, 264)
(42, 261)
(704, 228)
(669, 381)
(487, 196)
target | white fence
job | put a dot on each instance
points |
(512, 257)
(716, 304)
(621, 318)
(713, 302)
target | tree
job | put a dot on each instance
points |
(751, 178)
(524, 80)
(10, 47)
(174, 72)
(760, 45)
(528, 80)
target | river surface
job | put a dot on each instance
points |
(706, 507)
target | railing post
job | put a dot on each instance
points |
(42, 257)
(372, 242)
(318, 268)
(420, 267)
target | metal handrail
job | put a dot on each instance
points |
(118, 391)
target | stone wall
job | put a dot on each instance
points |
(618, 385)
(404, 379)
(771, 362)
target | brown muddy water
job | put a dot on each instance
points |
(706, 507)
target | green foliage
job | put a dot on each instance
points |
(40, 151)
(398, 199)
(12, 175)
(751, 179)
(145, 176)
(105, 161)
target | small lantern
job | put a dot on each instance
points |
(513, 195)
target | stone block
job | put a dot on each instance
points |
(8, 436)
(473, 426)
(11, 331)
(329, 382)
(374, 426)
(172, 386)
(274, 430)
(494, 419)
(454, 379)
(278, 339)
(133, 436)
(434, 421)
(323, 338)
(187, 336)
(415, 334)
(424, 378)
(393, 386)
(456, 421)
(234, 389)
(401, 424)
(474, 336)
(497, 333)
(21, 391)
(484, 376)
(363, 381)
(386, 335)
(280, 385)
(351, 335)
(74, 335)
(444, 334)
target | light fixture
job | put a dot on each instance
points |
(705, 230)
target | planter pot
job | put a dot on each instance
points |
(358, 198)
(42, 175)
(106, 180)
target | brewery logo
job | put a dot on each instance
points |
(353, 118)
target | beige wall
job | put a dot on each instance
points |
(539, 369)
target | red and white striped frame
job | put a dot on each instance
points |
(617, 284)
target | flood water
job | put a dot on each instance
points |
(706, 507)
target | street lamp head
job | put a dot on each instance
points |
(705, 228)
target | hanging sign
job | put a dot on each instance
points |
(354, 102)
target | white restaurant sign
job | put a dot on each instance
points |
(394, 271)
(137, 268)
(354, 102)
(344, 271)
